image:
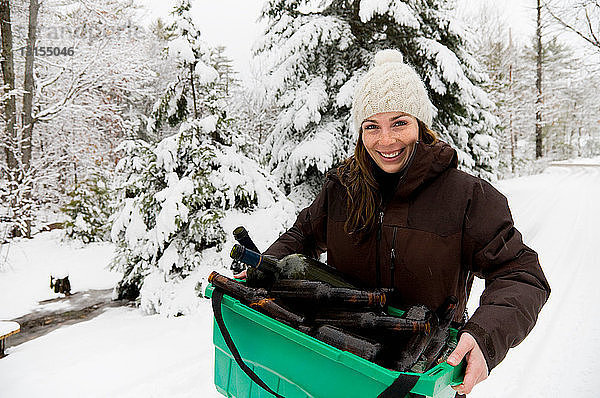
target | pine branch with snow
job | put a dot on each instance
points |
(89, 209)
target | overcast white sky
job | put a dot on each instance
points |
(233, 23)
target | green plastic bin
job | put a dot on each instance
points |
(296, 365)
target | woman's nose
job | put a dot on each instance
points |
(386, 136)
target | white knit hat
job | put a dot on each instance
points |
(390, 86)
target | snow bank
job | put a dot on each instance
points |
(121, 353)
(7, 327)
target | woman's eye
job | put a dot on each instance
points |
(370, 126)
(400, 123)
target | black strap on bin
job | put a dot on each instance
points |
(217, 298)
(398, 389)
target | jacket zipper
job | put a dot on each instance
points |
(378, 245)
(393, 262)
(378, 238)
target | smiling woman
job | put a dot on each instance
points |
(398, 214)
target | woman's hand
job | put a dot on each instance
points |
(241, 275)
(476, 366)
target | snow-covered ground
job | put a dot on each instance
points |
(123, 353)
(120, 353)
(7, 327)
(558, 213)
(26, 266)
(578, 161)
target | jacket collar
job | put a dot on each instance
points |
(428, 161)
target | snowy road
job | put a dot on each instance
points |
(125, 354)
(558, 213)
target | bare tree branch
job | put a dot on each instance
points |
(587, 16)
(593, 40)
(78, 85)
(48, 82)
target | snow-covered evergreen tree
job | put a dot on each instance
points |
(308, 58)
(314, 57)
(89, 209)
(568, 107)
(176, 193)
(569, 114)
(569, 86)
(255, 113)
(509, 84)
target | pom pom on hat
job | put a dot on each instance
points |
(390, 86)
(386, 56)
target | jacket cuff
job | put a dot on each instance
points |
(484, 341)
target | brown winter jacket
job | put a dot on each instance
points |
(441, 227)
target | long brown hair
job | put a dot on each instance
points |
(364, 197)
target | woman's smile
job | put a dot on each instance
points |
(391, 156)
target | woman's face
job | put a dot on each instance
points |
(389, 138)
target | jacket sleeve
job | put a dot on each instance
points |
(515, 286)
(308, 235)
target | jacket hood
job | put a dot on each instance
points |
(428, 161)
